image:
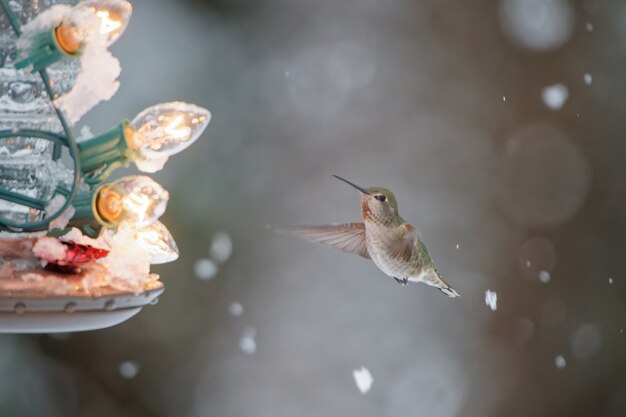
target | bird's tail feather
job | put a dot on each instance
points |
(433, 278)
(449, 291)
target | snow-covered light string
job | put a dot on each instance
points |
(58, 140)
(148, 140)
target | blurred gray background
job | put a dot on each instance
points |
(441, 101)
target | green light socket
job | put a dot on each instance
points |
(44, 51)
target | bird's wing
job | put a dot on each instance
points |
(406, 246)
(348, 237)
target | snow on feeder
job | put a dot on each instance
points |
(75, 252)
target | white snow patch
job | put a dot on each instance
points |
(221, 247)
(58, 286)
(96, 82)
(49, 249)
(32, 277)
(236, 309)
(363, 379)
(247, 343)
(129, 369)
(154, 164)
(85, 134)
(491, 299)
(53, 206)
(560, 362)
(75, 236)
(205, 269)
(554, 96)
(128, 263)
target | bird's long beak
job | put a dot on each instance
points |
(361, 189)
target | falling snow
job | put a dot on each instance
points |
(221, 247)
(363, 379)
(247, 343)
(588, 79)
(539, 25)
(560, 362)
(205, 269)
(491, 299)
(236, 309)
(610, 280)
(554, 96)
(128, 369)
(544, 276)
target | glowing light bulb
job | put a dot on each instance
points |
(164, 130)
(135, 199)
(99, 19)
(108, 25)
(154, 239)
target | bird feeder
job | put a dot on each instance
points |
(75, 251)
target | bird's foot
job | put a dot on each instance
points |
(402, 281)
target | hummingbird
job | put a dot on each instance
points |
(383, 236)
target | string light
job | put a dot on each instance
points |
(129, 204)
(149, 140)
(154, 239)
(93, 18)
(97, 21)
(125, 211)
(134, 199)
(164, 130)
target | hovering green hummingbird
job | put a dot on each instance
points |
(384, 237)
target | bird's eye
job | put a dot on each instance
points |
(381, 198)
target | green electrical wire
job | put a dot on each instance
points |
(58, 140)
(15, 24)
(36, 203)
